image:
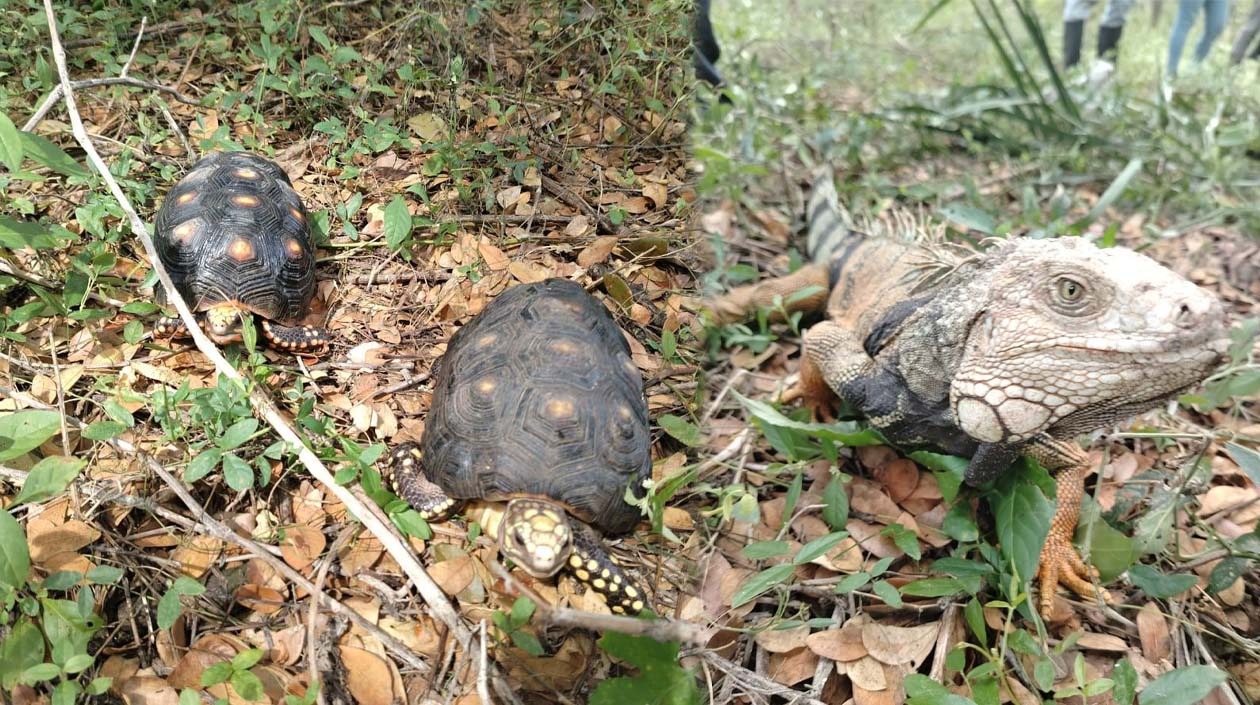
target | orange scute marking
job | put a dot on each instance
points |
(296, 214)
(294, 248)
(185, 197)
(560, 408)
(185, 232)
(241, 250)
(244, 199)
(246, 173)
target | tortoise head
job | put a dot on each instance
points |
(535, 534)
(222, 323)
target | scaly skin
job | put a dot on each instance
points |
(1014, 350)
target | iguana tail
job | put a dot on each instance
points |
(828, 225)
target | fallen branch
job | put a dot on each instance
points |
(59, 90)
(261, 403)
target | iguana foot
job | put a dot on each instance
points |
(813, 392)
(1060, 564)
(802, 290)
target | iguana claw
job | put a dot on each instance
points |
(1060, 564)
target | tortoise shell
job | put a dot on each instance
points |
(537, 396)
(233, 231)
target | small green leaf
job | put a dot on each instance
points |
(1023, 519)
(188, 696)
(50, 155)
(98, 686)
(202, 464)
(103, 430)
(527, 642)
(77, 663)
(661, 681)
(933, 587)
(852, 582)
(762, 550)
(104, 575)
(974, 614)
(949, 471)
(248, 686)
(238, 433)
(40, 672)
(397, 224)
(217, 673)
(1182, 686)
(20, 649)
(237, 473)
(48, 478)
(522, 609)
(760, 583)
(969, 217)
(15, 557)
(886, 592)
(10, 144)
(1043, 673)
(1022, 641)
(1157, 584)
(819, 546)
(835, 504)
(1248, 460)
(247, 659)
(1226, 572)
(683, 430)
(1125, 676)
(23, 431)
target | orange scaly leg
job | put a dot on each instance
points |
(1060, 564)
(802, 290)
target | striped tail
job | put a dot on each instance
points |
(829, 225)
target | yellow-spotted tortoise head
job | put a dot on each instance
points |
(536, 535)
(235, 238)
(222, 323)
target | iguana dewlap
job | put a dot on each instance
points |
(1014, 350)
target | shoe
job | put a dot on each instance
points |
(1108, 41)
(1072, 34)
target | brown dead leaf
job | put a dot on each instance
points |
(598, 251)
(781, 641)
(496, 261)
(1153, 631)
(869, 498)
(263, 600)
(368, 676)
(899, 477)
(454, 574)
(838, 644)
(1248, 676)
(1102, 642)
(678, 519)
(900, 645)
(792, 667)
(148, 690)
(302, 544)
(657, 193)
(197, 554)
(867, 674)
(49, 538)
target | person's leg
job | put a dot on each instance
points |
(1246, 35)
(1075, 12)
(1216, 12)
(1187, 11)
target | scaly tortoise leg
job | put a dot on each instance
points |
(802, 290)
(295, 339)
(406, 477)
(170, 327)
(1060, 563)
(593, 567)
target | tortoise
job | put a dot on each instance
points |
(537, 403)
(234, 236)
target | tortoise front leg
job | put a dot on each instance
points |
(406, 478)
(170, 327)
(592, 566)
(296, 339)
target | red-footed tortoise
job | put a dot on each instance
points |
(234, 236)
(536, 403)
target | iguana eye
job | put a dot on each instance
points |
(1070, 291)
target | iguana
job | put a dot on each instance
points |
(1015, 349)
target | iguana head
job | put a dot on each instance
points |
(1070, 338)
